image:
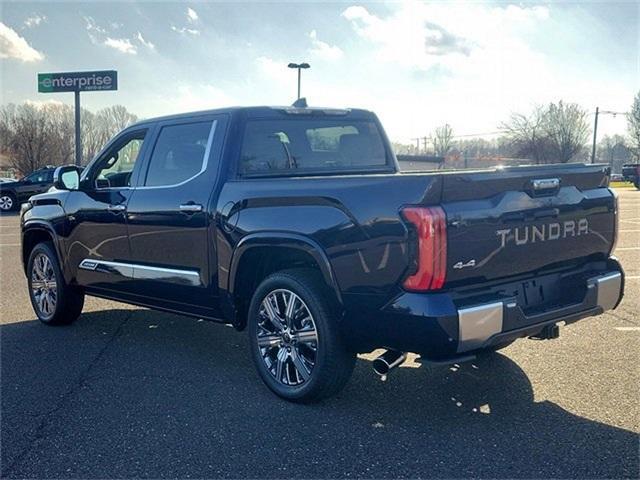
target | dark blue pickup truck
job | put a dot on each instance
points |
(296, 225)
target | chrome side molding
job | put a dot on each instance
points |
(143, 272)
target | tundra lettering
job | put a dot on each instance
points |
(295, 225)
(552, 231)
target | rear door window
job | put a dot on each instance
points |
(311, 145)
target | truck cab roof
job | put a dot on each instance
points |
(266, 112)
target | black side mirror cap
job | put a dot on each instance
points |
(67, 177)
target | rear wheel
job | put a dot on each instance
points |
(7, 202)
(295, 342)
(54, 302)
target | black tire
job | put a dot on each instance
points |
(333, 361)
(67, 302)
(8, 202)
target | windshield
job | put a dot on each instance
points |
(311, 145)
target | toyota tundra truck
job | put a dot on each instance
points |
(295, 225)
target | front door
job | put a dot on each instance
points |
(97, 244)
(168, 216)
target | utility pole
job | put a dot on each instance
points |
(424, 144)
(417, 139)
(595, 132)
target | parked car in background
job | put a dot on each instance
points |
(631, 173)
(15, 192)
(617, 177)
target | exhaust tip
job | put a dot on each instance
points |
(388, 361)
(380, 366)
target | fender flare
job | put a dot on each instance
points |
(288, 240)
(42, 225)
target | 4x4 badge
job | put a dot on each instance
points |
(460, 265)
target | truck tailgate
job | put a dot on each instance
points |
(523, 219)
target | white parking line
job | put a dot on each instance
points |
(627, 248)
(9, 244)
(628, 329)
(632, 277)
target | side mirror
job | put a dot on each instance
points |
(67, 177)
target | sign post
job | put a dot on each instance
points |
(77, 82)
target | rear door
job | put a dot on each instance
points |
(525, 219)
(168, 216)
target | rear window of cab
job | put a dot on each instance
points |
(306, 146)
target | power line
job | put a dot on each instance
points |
(478, 134)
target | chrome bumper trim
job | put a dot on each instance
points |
(477, 324)
(608, 289)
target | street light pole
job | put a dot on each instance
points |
(595, 128)
(595, 132)
(299, 66)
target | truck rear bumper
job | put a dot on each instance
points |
(451, 324)
(482, 326)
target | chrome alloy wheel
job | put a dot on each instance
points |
(6, 203)
(287, 337)
(43, 285)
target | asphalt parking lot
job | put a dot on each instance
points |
(127, 392)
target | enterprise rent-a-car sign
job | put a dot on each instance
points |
(77, 81)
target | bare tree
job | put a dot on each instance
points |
(615, 151)
(33, 136)
(98, 128)
(633, 126)
(527, 135)
(566, 127)
(26, 136)
(442, 140)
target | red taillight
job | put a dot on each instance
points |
(431, 229)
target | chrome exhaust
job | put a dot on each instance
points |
(387, 362)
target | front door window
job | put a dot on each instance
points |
(115, 170)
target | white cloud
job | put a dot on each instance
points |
(44, 103)
(191, 97)
(185, 30)
(273, 69)
(192, 15)
(476, 63)
(94, 30)
(14, 46)
(144, 42)
(34, 21)
(322, 49)
(123, 45)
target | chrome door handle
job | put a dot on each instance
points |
(116, 208)
(191, 208)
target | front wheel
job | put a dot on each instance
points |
(295, 342)
(54, 302)
(7, 202)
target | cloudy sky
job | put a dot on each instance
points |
(418, 65)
